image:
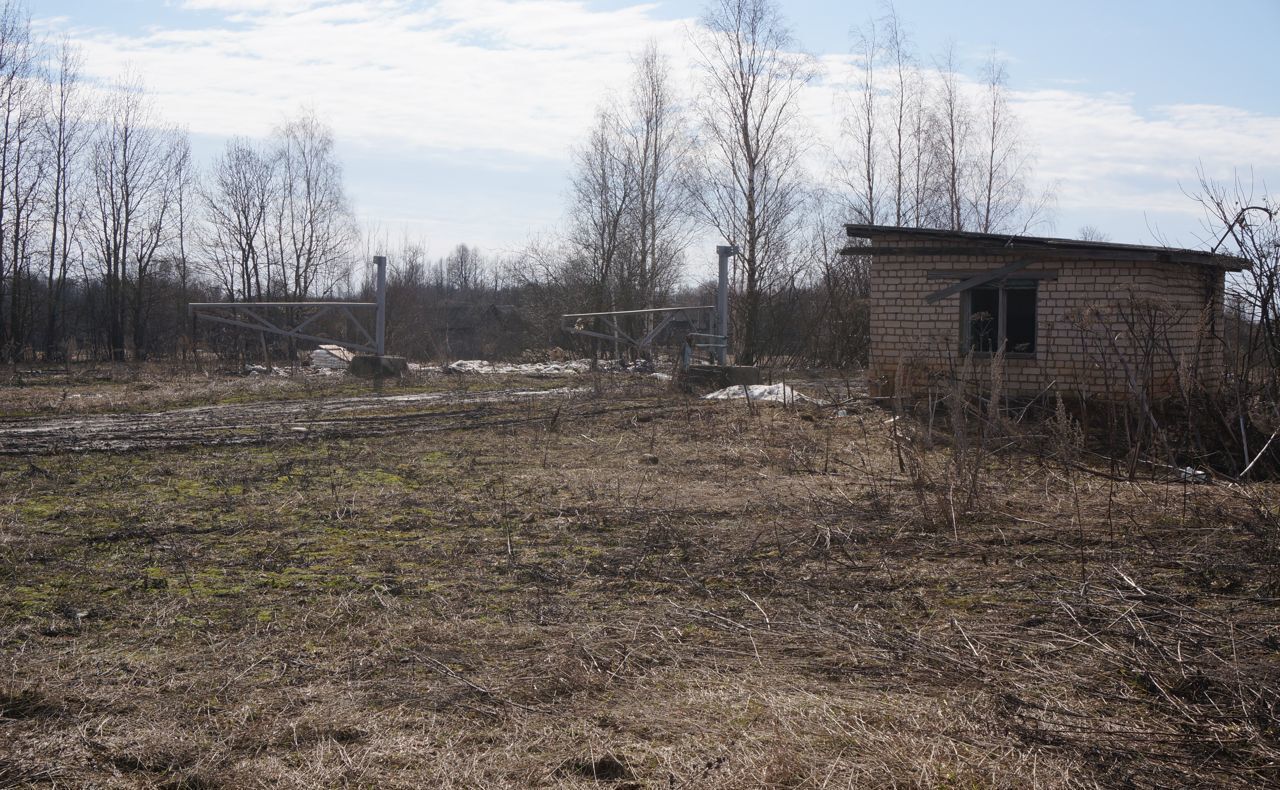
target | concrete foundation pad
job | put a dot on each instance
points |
(720, 376)
(369, 366)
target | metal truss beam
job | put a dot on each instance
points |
(253, 316)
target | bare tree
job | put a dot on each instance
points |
(1003, 200)
(134, 192)
(1092, 233)
(464, 268)
(862, 170)
(238, 199)
(20, 166)
(924, 162)
(905, 132)
(1240, 221)
(629, 221)
(660, 145)
(152, 244)
(839, 332)
(603, 193)
(953, 124)
(186, 189)
(751, 185)
(948, 153)
(65, 135)
(312, 227)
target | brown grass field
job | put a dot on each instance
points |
(610, 586)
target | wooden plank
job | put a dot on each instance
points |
(974, 282)
(964, 274)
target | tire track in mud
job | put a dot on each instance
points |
(267, 421)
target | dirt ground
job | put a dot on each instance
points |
(602, 583)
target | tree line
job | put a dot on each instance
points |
(108, 229)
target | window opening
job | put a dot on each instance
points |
(1002, 316)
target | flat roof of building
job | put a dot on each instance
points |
(1038, 247)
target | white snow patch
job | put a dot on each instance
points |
(479, 397)
(779, 393)
(261, 370)
(547, 369)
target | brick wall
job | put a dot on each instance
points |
(1100, 324)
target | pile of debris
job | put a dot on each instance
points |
(331, 358)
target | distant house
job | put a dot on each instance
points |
(1080, 317)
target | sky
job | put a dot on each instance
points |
(455, 119)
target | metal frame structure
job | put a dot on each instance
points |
(717, 340)
(576, 323)
(723, 254)
(254, 316)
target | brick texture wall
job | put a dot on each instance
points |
(1103, 327)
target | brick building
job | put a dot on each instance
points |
(1081, 317)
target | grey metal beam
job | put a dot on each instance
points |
(723, 254)
(217, 319)
(254, 316)
(637, 312)
(380, 319)
(203, 305)
(368, 337)
(648, 339)
(313, 317)
(590, 333)
(617, 331)
(610, 320)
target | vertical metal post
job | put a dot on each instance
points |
(380, 333)
(722, 301)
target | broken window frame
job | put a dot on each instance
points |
(1002, 337)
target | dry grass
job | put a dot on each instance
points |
(135, 387)
(534, 602)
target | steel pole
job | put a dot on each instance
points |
(722, 300)
(380, 332)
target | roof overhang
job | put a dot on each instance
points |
(954, 243)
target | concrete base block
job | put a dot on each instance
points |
(369, 366)
(721, 376)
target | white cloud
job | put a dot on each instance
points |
(504, 84)
(516, 77)
(1104, 153)
(249, 6)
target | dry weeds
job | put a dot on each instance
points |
(528, 600)
(140, 387)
